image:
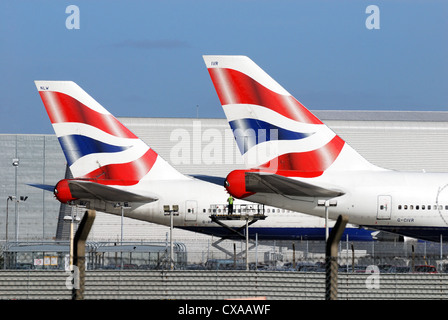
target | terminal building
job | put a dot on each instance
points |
(411, 141)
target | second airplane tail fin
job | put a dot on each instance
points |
(96, 145)
(273, 130)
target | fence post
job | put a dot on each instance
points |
(331, 258)
(79, 252)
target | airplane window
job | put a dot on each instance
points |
(423, 207)
(446, 207)
(435, 207)
(405, 207)
(411, 207)
(399, 207)
(417, 207)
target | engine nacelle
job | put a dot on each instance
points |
(62, 192)
(236, 184)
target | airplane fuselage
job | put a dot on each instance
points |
(334, 177)
(411, 204)
(193, 202)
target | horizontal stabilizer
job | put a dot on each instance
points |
(212, 179)
(46, 187)
(273, 183)
(91, 190)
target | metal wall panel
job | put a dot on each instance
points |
(27, 285)
(204, 146)
(41, 161)
(410, 146)
(394, 286)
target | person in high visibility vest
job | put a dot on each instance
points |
(230, 206)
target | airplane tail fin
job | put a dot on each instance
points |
(96, 145)
(273, 130)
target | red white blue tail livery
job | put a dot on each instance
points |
(272, 129)
(96, 145)
(112, 166)
(295, 161)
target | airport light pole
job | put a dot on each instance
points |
(73, 217)
(15, 164)
(171, 241)
(247, 242)
(21, 199)
(327, 204)
(10, 198)
(124, 205)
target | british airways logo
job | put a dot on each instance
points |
(44, 87)
(214, 63)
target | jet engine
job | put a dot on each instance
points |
(235, 184)
(62, 192)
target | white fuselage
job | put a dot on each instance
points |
(193, 201)
(385, 200)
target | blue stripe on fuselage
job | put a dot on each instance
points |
(354, 234)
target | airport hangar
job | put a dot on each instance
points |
(400, 140)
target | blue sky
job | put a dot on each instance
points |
(144, 58)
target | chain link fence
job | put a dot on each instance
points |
(277, 270)
(301, 255)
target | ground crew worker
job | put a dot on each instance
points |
(230, 206)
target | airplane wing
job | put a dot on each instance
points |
(90, 190)
(273, 183)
